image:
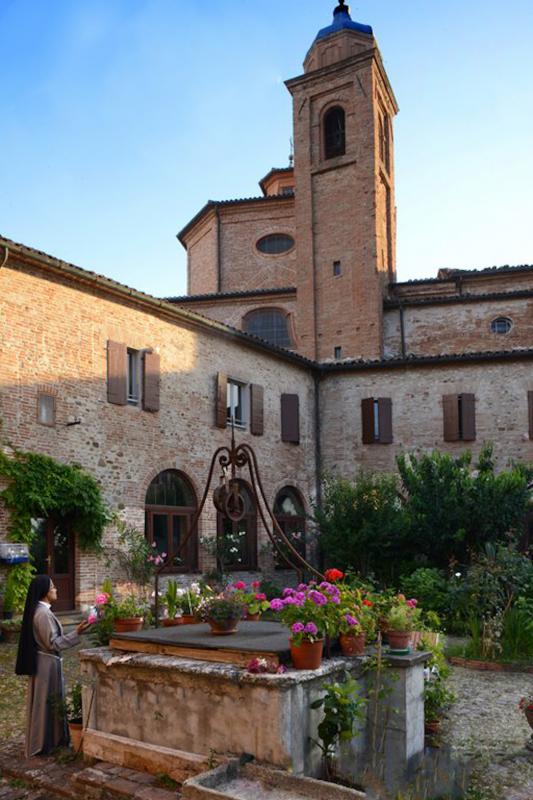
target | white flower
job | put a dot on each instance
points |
(457, 574)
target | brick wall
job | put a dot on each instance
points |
(500, 389)
(458, 327)
(54, 333)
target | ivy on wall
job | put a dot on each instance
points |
(39, 486)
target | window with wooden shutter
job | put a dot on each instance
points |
(221, 408)
(385, 420)
(290, 418)
(117, 373)
(467, 417)
(376, 420)
(530, 413)
(151, 381)
(450, 418)
(459, 417)
(256, 409)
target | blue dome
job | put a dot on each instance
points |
(342, 21)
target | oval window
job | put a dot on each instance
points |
(275, 243)
(501, 325)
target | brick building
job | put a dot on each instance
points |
(294, 324)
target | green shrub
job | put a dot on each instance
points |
(429, 586)
(362, 524)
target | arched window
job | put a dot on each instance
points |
(334, 132)
(290, 516)
(170, 506)
(269, 324)
(237, 541)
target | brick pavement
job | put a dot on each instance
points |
(54, 778)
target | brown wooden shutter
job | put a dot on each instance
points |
(530, 413)
(256, 409)
(221, 405)
(367, 420)
(385, 420)
(290, 418)
(151, 372)
(450, 409)
(117, 373)
(468, 417)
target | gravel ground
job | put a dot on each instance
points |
(485, 725)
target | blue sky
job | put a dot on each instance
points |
(120, 118)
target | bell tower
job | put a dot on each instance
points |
(343, 107)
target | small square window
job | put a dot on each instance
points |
(46, 410)
(337, 353)
(237, 403)
(337, 270)
(134, 383)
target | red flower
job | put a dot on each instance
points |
(239, 585)
(333, 575)
(256, 584)
(368, 603)
(260, 596)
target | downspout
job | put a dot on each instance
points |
(402, 332)
(6, 256)
(318, 447)
(219, 251)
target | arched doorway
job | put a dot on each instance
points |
(170, 505)
(237, 541)
(289, 512)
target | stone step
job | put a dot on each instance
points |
(105, 781)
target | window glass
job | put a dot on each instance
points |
(170, 488)
(133, 376)
(46, 409)
(290, 515)
(275, 243)
(501, 325)
(170, 508)
(334, 132)
(237, 541)
(269, 324)
(235, 403)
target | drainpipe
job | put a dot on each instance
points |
(318, 447)
(219, 251)
(402, 332)
(6, 256)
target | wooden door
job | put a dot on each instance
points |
(53, 554)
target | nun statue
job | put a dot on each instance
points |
(39, 656)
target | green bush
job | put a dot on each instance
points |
(429, 586)
(362, 524)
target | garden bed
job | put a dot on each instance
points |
(489, 666)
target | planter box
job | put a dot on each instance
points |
(232, 781)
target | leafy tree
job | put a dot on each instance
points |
(362, 524)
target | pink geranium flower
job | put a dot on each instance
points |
(101, 599)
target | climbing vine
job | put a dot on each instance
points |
(39, 486)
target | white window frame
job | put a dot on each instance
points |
(234, 388)
(134, 381)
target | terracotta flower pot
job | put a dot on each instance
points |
(399, 640)
(352, 645)
(223, 627)
(169, 623)
(188, 619)
(307, 655)
(11, 635)
(431, 727)
(253, 617)
(75, 729)
(128, 624)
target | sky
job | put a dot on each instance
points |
(121, 118)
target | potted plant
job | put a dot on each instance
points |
(171, 600)
(222, 613)
(526, 705)
(351, 635)
(11, 629)
(190, 601)
(309, 613)
(254, 602)
(128, 615)
(437, 698)
(73, 706)
(401, 620)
